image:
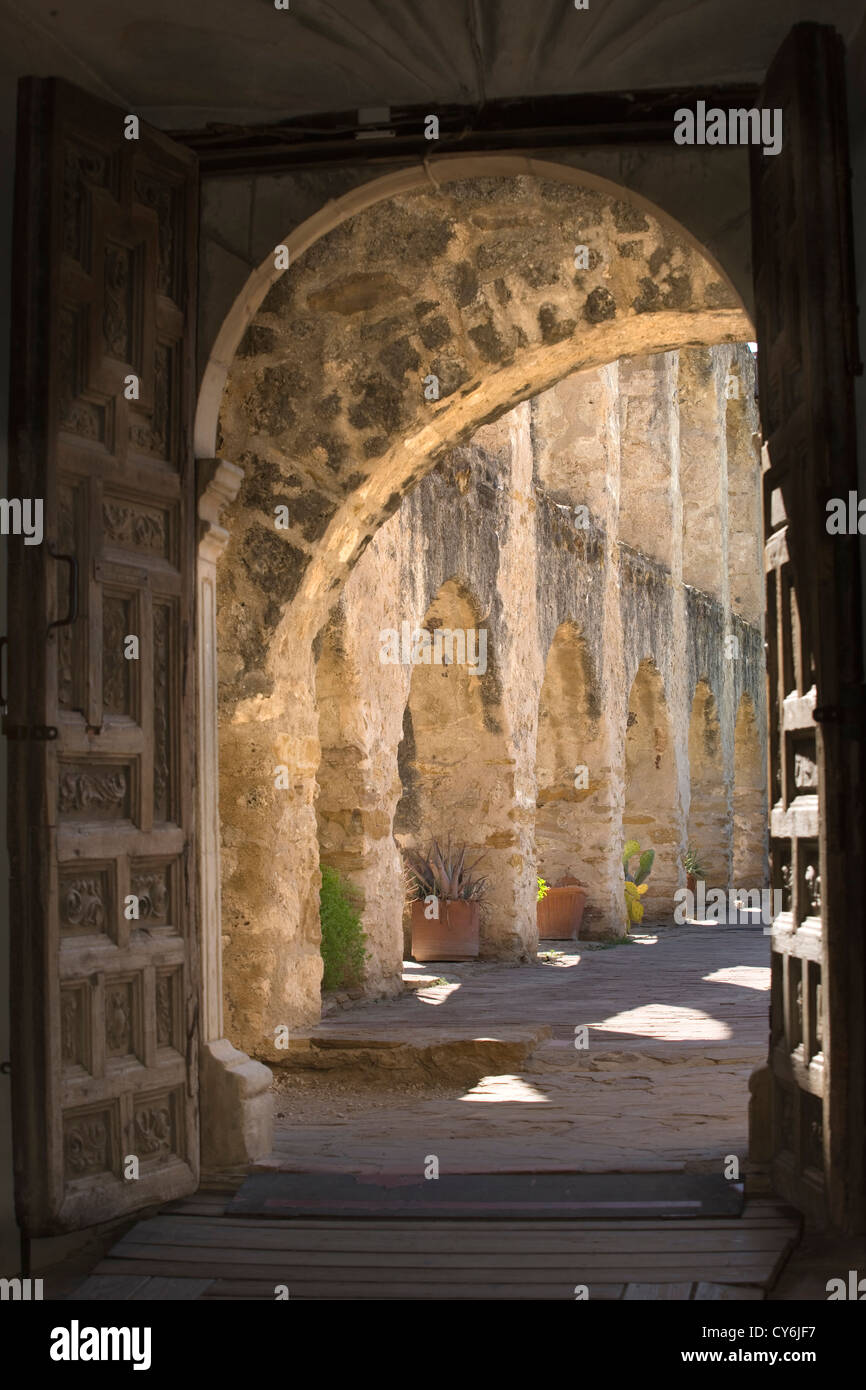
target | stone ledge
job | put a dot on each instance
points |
(424, 1053)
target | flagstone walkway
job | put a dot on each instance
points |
(668, 1029)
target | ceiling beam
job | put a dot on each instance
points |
(607, 118)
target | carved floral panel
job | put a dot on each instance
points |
(87, 1143)
(168, 1004)
(162, 703)
(85, 901)
(152, 886)
(118, 622)
(75, 1035)
(164, 200)
(155, 1126)
(96, 791)
(135, 526)
(122, 1017)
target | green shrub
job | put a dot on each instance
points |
(343, 940)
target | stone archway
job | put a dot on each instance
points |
(652, 814)
(573, 820)
(331, 410)
(709, 813)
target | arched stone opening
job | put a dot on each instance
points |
(573, 822)
(456, 769)
(331, 410)
(709, 822)
(652, 814)
(750, 809)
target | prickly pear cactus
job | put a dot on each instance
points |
(635, 885)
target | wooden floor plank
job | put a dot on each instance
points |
(131, 1249)
(667, 1292)
(191, 1250)
(443, 1258)
(580, 1273)
(177, 1290)
(449, 1228)
(705, 1292)
(442, 1265)
(427, 1294)
(108, 1287)
(404, 1239)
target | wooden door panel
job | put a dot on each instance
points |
(806, 323)
(105, 958)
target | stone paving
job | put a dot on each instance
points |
(676, 1020)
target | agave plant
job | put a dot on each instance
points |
(445, 873)
(635, 886)
(692, 863)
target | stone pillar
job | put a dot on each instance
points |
(678, 691)
(728, 386)
(707, 378)
(745, 532)
(235, 1101)
(610, 920)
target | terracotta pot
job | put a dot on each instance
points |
(691, 883)
(454, 936)
(560, 913)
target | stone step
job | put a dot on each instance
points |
(462, 1055)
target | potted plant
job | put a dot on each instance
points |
(560, 908)
(635, 881)
(446, 913)
(694, 869)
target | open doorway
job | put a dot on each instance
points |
(280, 590)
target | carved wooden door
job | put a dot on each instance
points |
(807, 356)
(100, 719)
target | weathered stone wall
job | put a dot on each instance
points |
(491, 759)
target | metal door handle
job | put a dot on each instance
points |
(72, 611)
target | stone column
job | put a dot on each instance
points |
(611, 917)
(235, 1102)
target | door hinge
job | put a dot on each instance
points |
(43, 733)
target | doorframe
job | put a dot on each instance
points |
(235, 1101)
